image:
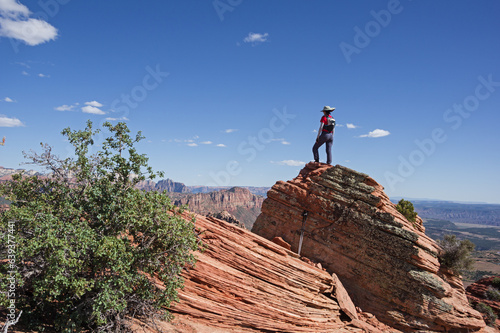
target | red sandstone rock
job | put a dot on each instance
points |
(476, 293)
(245, 283)
(387, 264)
(281, 242)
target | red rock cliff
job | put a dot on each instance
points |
(387, 264)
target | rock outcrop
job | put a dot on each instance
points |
(242, 282)
(224, 215)
(238, 201)
(478, 293)
(387, 264)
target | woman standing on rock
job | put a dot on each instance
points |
(325, 135)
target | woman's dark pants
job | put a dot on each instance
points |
(324, 138)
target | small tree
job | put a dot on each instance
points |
(489, 314)
(456, 254)
(406, 208)
(492, 294)
(87, 242)
(496, 282)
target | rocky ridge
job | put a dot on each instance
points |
(387, 264)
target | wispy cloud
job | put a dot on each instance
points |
(118, 119)
(351, 126)
(8, 99)
(221, 145)
(192, 144)
(65, 108)
(15, 22)
(10, 122)
(255, 38)
(282, 141)
(25, 73)
(21, 63)
(230, 130)
(289, 163)
(378, 133)
(206, 142)
(43, 75)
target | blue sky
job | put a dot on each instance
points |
(229, 92)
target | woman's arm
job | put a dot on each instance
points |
(320, 130)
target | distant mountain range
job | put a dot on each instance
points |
(486, 214)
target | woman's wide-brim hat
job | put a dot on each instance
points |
(328, 109)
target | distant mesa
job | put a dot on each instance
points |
(237, 201)
(163, 185)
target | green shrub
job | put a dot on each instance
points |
(87, 241)
(406, 208)
(496, 282)
(456, 254)
(492, 294)
(491, 317)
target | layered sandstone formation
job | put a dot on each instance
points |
(244, 283)
(387, 264)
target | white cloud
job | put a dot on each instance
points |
(94, 104)
(13, 9)
(256, 38)
(43, 75)
(25, 73)
(92, 110)
(65, 108)
(119, 119)
(378, 133)
(290, 163)
(192, 144)
(7, 99)
(16, 23)
(283, 141)
(351, 126)
(230, 130)
(10, 122)
(206, 142)
(221, 145)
